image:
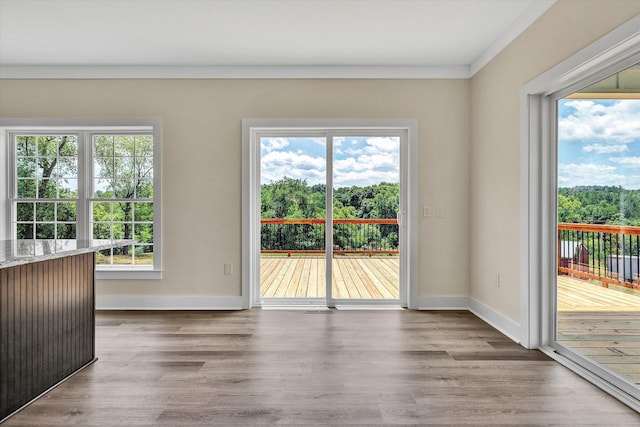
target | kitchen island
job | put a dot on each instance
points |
(47, 315)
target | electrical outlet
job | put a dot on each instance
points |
(426, 211)
(228, 269)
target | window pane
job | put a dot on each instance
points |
(65, 231)
(143, 255)
(24, 212)
(68, 167)
(143, 211)
(25, 146)
(45, 212)
(101, 211)
(66, 211)
(68, 188)
(103, 146)
(26, 167)
(24, 231)
(103, 167)
(68, 146)
(26, 188)
(47, 166)
(144, 189)
(124, 167)
(103, 188)
(144, 146)
(144, 167)
(103, 257)
(48, 145)
(123, 255)
(47, 189)
(124, 189)
(118, 231)
(123, 211)
(123, 145)
(45, 231)
(102, 231)
(144, 233)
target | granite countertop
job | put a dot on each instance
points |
(17, 252)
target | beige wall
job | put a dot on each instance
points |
(201, 124)
(563, 30)
(469, 154)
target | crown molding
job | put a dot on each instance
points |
(231, 72)
(532, 13)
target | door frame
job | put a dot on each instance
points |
(335, 127)
(614, 52)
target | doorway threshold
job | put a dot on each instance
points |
(368, 307)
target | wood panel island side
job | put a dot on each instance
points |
(47, 315)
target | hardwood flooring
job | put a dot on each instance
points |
(362, 367)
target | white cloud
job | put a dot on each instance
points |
(595, 121)
(626, 161)
(605, 149)
(355, 163)
(277, 164)
(573, 174)
(377, 161)
(267, 145)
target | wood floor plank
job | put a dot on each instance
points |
(363, 367)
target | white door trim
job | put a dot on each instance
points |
(251, 182)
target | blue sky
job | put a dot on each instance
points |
(599, 142)
(358, 161)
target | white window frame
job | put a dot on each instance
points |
(251, 185)
(538, 184)
(85, 129)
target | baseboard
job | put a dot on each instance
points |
(169, 302)
(487, 314)
(495, 319)
(443, 303)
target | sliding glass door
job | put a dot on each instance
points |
(597, 294)
(330, 217)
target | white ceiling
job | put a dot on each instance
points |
(416, 37)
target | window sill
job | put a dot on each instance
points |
(127, 274)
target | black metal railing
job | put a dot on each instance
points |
(607, 253)
(350, 236)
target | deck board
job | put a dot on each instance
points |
(602, 324)
(353, 277)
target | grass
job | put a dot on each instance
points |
(140, 259)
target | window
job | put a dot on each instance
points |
(88, 183)
(46, 178)
(122, 198)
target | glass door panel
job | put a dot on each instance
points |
(293, 210)
(598, 236)
(366, 201)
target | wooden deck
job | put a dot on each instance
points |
(602, 324)
(353, 277)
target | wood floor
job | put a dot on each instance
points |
(353, 277)
(262, 367)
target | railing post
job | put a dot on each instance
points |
(559, 243)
